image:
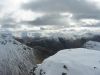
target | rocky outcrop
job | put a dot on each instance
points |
(15, 58)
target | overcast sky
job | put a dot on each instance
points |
(26, 14)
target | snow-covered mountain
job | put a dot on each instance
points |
(92, 45)
(15, 58)
(71, 62)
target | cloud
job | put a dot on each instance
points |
(80, 8)
(89, 23)
(9, 26)
(22, 15)
(48, 12)
(7, 21)
(50, 19)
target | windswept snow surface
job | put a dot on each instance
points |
(15, 58)
(92, 45)
(71, 62)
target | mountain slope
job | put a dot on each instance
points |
(15, 58)
(71, 62)
(92, 45)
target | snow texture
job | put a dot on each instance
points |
(71, 62)
(15, 58)
(92, 45)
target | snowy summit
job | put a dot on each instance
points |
(71, 62)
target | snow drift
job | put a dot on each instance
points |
(71, 62)
(15, 58)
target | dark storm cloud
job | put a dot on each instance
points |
(91, 15)
(8, 22)
(80, 8)
(51, 19)
(8, 26)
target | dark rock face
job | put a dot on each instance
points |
(41, 53)
(32, 71)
